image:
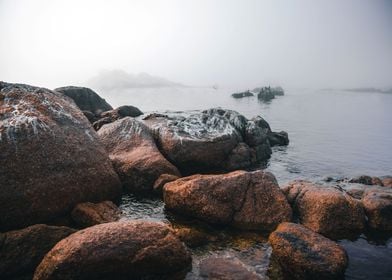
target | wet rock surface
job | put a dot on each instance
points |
(134, 154)
(213, 140)
(50, 157)
(119, 250)
(245, 200)
(304, 254)
(326, 210)
(226, 269)
(86, 99)
(22, 250)
(88, 214)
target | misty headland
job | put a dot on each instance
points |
(195, 140)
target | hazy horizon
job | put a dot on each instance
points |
(316, 44)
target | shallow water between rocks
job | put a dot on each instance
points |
(332, 133)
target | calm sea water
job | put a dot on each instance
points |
(332, 133)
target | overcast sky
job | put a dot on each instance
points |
(202, 42)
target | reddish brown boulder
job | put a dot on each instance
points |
(326, 210)
(378, 207)
(50, 157)
(387, 182)
(226, 269)
(22, 250)
(88, 214)
(134, 154)
(304, 254)
(162, 180)
(119, 250)
(246, 200)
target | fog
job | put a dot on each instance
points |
(240, 43)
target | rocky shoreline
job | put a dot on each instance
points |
(67, 157)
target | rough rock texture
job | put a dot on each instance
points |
(226, 269)
(246, 200)
(116, 114)
(378, 207)
(304, 254)
(134, 154)
(387, 182)
(162, 180)
(326, 210)
(50, 157)
(88, 214)
(86, 99)
(22, 250)
(119, 250)
(366, 180)
(213, 140)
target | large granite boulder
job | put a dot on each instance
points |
(378, 207)
(326, 210)
(86, 99)
(119, 250)
(134, 154)
(246, 200)
(21, 251)
(211, 140)
(50, 157)
(304, 254)
(88, 214)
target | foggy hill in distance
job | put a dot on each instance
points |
(119, 79)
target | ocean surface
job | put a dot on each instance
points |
(332, 134)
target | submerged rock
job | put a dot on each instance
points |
(378, 207)
(326, 210)
(245, 200)
(134, 154)
(119, 250)
(213, 140)
(50, 157)
(86, 99)
(304, 254)
(22, 250)
(88, 214)
(226, 269)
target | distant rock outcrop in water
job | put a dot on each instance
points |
(119, 79)
(242, 94)
(268, 93)
(263, 93)
(50, 157)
